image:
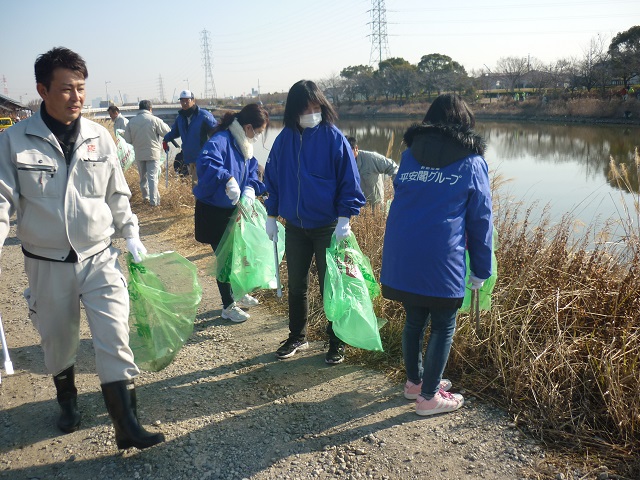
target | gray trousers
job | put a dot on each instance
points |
(149, 171)
(54, 295)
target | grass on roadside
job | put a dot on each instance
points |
(560, 349)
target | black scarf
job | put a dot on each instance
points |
(66, 134)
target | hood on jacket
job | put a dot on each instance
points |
(441, 145)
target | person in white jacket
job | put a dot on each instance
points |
(372, 168)
(119, 121)
(145, 132)
(60, 175)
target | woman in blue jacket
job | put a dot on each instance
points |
(226, 171)
(313, 183)
(442, 205)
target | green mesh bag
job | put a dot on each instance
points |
(245, 254)
(164, 294)
(484, 293)
(349, 288)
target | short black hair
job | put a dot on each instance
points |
(113, 108)
(450, 109)
(58, 57)
(300, 95)
(352, 142)
(144, 105)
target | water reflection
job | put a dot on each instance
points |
(565, 166)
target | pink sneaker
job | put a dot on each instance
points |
(442, 402)
(411, 390)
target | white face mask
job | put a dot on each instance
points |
(310, 120)
(256, 137)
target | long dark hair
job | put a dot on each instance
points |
(300, 95)
(450, 109)
(254, 114)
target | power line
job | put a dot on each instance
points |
(161, 89)
(209, 86)
(379, 44)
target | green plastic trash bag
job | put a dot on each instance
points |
(349, 288)
(164, 295)
(125, 152)
(487, 288)
(245, 255)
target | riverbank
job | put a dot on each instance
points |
(593, 111)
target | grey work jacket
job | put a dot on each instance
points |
(58, 207)
(372, 167)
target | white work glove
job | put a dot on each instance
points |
(343, 229)
(272, 229)
(233, 190)
(475, 283)
(136, 248)
(250, 194)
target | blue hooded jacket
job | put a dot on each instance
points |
(312, 177)
(442, 204)
(221, 158)
(193, 134)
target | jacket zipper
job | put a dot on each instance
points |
(298, 202)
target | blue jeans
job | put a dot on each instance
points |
(443, 326)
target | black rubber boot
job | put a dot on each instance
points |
(67, 395)
(120, 399)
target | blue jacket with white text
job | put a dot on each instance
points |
(442, 205)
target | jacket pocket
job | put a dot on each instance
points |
(93, 176)
(37, 175)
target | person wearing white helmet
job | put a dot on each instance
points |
(194, 126)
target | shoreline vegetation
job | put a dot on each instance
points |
(535, 109)
(560, 348)
(563, 109)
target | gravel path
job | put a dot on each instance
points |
(230, 410)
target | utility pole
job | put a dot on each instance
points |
(379, 44)
(209, 86)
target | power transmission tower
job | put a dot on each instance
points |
(161, 88)
(209, 86)
(379, 44)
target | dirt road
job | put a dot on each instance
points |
(231, 410)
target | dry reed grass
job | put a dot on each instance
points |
(560, 349)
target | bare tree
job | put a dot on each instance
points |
(333, 87)
(593, 63)
(513, 70)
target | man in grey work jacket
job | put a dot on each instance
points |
(145, 132)
(60, 174)
(372, 168)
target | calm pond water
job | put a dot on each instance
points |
(563, 167)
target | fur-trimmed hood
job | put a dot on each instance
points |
(441, 145)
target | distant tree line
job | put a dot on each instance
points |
(598, 68)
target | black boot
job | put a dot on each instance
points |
(120, 398)
(67, 395)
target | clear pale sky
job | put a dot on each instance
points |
(130, 45)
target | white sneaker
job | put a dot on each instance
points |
(247, 302)
(233, 313)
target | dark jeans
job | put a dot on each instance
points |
(443, 326)
(224, 288)
(301, 244)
